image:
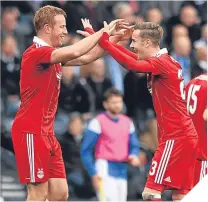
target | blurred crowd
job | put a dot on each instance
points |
(185, 37)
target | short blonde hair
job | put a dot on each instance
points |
(150, 30)
(45, 15)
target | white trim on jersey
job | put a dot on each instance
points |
(204, 167)
(164, 161)
(30, 150)
(40, 42)
(132, 128)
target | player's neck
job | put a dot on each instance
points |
(45, 38)
(153, 51)
(113, 116)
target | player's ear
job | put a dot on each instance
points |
(47, 28)
(147, 43)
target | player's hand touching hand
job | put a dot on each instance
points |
(119, 24)
(109, 29)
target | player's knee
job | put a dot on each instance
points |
(60, 196)
(149, 196)
(37, 192)
(37, 195)
(64, 196)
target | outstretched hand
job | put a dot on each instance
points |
(86, 23)
(117, 28)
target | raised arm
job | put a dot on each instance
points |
(125, 60)
(62, 55)
(97, 51)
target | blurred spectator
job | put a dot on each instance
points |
(154, 15)
(124, 11)
(188, 17)
(89, 88)
(168, 8)
(98, 83)
(116, 72)
(67, 86)
(180, 30)
(76, 10)
(182, 54)
(9, 20)
(138, 99)
(24, 7)
(10, 66)
(71, 144)
(10, 26)
(202, 42)
(201, 7)
(200, 65)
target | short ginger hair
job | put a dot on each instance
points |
(150, 30)
(45, 15)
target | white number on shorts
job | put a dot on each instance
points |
(182, 85)
(192, 95)
(153, 168)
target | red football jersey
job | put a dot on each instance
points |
(39, 90)
(196, 95)
(168, 94)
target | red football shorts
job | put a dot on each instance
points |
(38, 157)
(173, 166)
(201, 169)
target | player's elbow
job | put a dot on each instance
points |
(75, 54)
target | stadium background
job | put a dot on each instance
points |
(185, 37)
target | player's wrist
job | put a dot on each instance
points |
(105, 36)
(89, 30)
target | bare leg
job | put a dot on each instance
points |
(57, 189)
(37, 191)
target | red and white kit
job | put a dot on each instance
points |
(173, 163)
(174, 160)
(38, 153)
(196, 95)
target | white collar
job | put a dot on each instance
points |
(40, 41)
(161, 51)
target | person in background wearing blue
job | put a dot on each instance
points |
(111, 136)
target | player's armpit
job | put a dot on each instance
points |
(125, 60)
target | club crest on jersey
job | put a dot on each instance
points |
(40, 173)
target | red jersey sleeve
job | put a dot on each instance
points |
(121, 48)
(146, 66)
(43, 54)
